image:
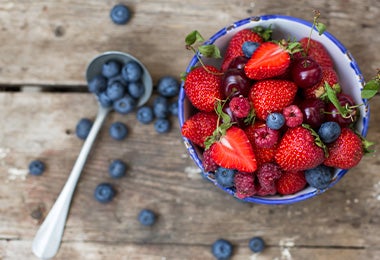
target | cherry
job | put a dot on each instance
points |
(235, 83)
(238, 62)
(332, 113)
(313, 110)
(305, 72)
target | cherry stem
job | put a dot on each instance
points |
(315, 21)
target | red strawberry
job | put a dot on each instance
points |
(269, 60)
(329, 75)
(203, 87)
(299, 150)
(234, 48)
(345, 152)
(291, 182)
(199, 126)
(318, 52)
(271, 95)
(234, 151)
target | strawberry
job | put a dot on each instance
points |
(200, 126)
(269, 60)
(299, 149)
(233, 150)
(330, 76)
(234, 48)
(271, 95)
(345, 152)
(317, 51)
(291, 182)
(203, 87)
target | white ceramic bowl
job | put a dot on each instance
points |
(350, 76)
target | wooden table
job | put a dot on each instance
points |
(45, 47)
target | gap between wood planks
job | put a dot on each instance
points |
(43, 88)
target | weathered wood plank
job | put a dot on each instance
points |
(51, 42)
(191, 212)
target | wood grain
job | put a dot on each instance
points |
(49, 43)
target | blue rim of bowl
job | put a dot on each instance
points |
(192, 151)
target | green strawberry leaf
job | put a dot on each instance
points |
(371, 88)
(193, 37)
(317, 139)
(265, 33)
(209, 51)
(320, 27)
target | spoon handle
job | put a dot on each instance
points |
(48, 238)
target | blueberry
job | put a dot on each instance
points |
(222, 249)
(118, 78)
(275, 120)
(147, 217)
(83, 128)
(168, 86)
(249, 48)
(329, 132)
(115, 91)
(117, 169)
(173, 108)
(162, 125)
(131, 71)
(225, 177)
(145, 114)
(120, 14)
(319, 177)
(161, 107)
(36, 167)
(104, 192)
(136, 89)
(118, 131)
(104, 100)
(256, 244)
(124, 105)
(111, 68)
(97, 84)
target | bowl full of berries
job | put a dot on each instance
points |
(272, 109)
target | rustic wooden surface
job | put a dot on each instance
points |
(47, 44)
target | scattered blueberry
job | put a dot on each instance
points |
(173, 108)
(83, 128)
(120, 14)
(168, 86)
(319, 177)
(162, 125)
(36, 167)
(225, 177)
(131, 71)
(97, 84)
(329, 132)
(275, 120)
(161, 107)
(249, 48)
(111, 68)
(147, 217)
(256, 244)
(117, 169)
(115, 91)
(118, 130)
(145, 114)
(222, 249)
(104, 192)
(136, 89)
(104, 100)
(125, 105)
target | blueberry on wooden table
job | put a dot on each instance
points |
(83, 128)
(120, 14)
(145, 115)
(118, 130)
(117, 169)
(256, 244)
(104, 192)
(36, 167)
(222, 249)
(162, 125)
(168, 86)
(147, 217)
(161, 107)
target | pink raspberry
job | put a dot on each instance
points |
(244, 184)
(261, 191)
(293, 116)
(208, 163)
(267, 174)
(240, 106)
(266, 137)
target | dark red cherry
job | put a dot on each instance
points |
(235, 83)
(238, 62)
(346, 101)
(305, 72)
(313, 110)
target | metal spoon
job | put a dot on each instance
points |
(48, 238)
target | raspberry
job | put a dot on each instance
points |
(209, 164)
(240, 106)
(261, 191)
(266, 137)
(244, 184)
(293, 116)
(267, 174)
